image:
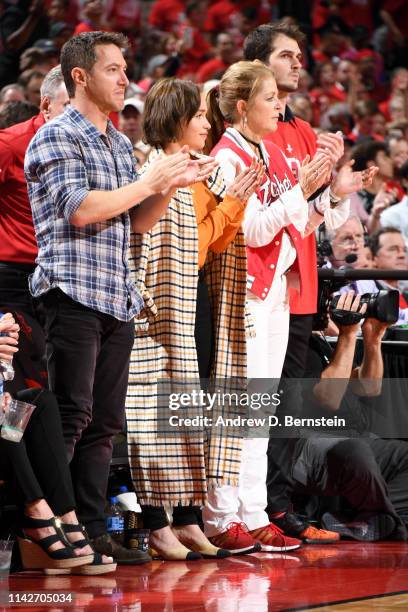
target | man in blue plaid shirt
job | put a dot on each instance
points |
(85, 199)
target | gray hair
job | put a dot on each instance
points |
(330, 234)
(8, 87)
(51, 82)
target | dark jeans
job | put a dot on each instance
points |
(372, 474)
(204, 333)
(155, 517)
(88, 367)
(14, 292)
(37, 467)
(280, 450)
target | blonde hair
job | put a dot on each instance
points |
(242, 81)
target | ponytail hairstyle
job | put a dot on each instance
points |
(242, 81)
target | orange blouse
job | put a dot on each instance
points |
(217, 223)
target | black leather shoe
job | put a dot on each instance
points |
(105, 545)
(292, 525)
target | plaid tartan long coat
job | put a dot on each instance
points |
(181, 469)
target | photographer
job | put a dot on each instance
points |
(370, 472)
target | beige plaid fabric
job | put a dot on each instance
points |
(180, 469)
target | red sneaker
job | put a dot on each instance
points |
(236, 539)
(272, 539)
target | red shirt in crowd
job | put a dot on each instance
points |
(17, 238)
(83, 26)
(221, 14)
(211, 70)
(166, 14)
(297, 139)
(353, 12)
(196, 50)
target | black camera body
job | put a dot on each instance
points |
(382, 305)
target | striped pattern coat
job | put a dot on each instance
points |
(181, 468)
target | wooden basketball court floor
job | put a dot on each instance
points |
(348, 576)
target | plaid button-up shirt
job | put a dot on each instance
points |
(68, 158)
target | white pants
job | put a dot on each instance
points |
(266, 354)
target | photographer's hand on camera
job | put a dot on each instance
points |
(373, 330)
(370, 373)
(347, 314)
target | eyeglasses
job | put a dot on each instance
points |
(351, 240)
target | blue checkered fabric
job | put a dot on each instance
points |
(67, 158)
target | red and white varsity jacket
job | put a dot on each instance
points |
(278, 206)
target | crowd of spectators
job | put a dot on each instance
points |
(355, 75)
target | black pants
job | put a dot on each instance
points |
(88, 367)
(14, 291)
(372, 474)
(37, 466)
(280, 450)
(204, 332)
(155, 517)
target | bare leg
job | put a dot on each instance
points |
(39, 509)
(72, 519)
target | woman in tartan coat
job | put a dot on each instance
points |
(191, 271)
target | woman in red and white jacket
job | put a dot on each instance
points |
(275, 218)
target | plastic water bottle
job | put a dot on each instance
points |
(115, 523)
(128, 500)
(6, 368)
(135, 536)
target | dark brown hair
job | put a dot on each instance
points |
(79, 52)
(169, 106)
(374, 239)
(259, 43)
(365, 152)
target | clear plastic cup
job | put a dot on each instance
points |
(6, 548)
(2, 415)
(15, 421)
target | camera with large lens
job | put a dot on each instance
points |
(383, 305)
